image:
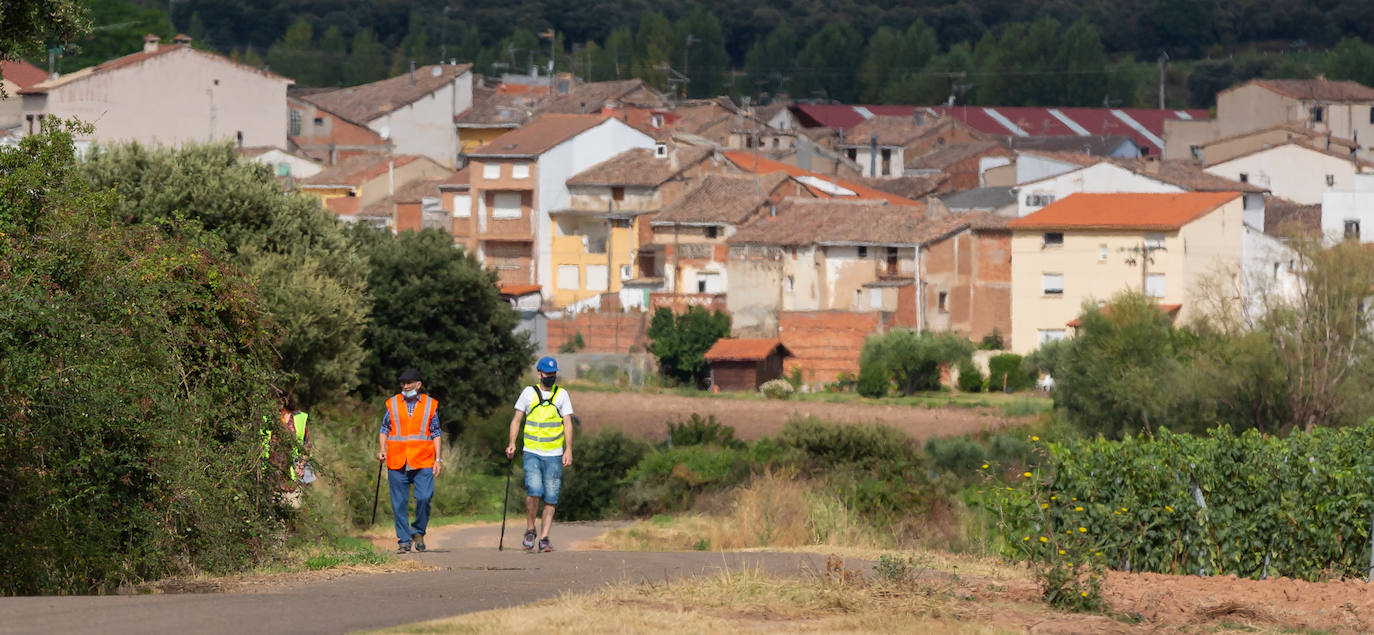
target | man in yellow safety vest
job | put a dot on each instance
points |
(546, 413)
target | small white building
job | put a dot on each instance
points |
(1130, 176)
(1349, 213)
(1295, 171)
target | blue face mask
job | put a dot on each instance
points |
(409, 394)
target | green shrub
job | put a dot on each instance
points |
(992, 341)
(960, 455)
(573, 344)
(698, 431)
(912, 361)
(861, 444)
(874, 380)
(1005, 371)
(669, 480)
(970, 378)
(592, 487)
(777, 389)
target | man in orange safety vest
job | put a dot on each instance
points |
(410, 444)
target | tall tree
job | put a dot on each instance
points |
(415, 46)
(1083, 62)
(827, 62)
(333, 56)
(1351, 59)
(700, 44)
(28, 28)
(617, 58)
(772, 60)
(367, 59)
(881, 66)
(295, 55)
(653, 45)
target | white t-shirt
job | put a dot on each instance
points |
(560, 401)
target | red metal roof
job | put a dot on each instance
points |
(748, 350)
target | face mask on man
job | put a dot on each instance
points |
(547, 381)
(409, 394)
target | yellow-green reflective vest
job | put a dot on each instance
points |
(297, 422)
(543, 424)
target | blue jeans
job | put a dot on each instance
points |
(543, 477)
(400, 482)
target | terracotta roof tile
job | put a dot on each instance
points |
(461, 180)
(355, 170)
(1282, 216)
(746, 350)
(1318, 89)
(21, 73)
(724, 199)
(833, 221)
(891, 131)
(1124, 211)
(370, 101)
(494, 108)
(590, 97)
(944, 159)
(1072, 158)
(538, 136)
(748, 162)
(1185, 175)
(912, 187)
(640, 167)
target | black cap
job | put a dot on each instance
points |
(409, 375)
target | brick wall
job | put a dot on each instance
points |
(601, 332)
(826, 343)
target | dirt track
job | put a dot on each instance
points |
(647, 415)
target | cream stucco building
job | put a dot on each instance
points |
(1087, 248)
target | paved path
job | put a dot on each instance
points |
(472, 576)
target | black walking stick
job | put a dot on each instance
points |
(505, 502)
(377, 494)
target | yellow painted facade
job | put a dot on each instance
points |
(470, 139)
(574, 242)
(1093, 267)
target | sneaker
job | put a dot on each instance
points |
(403, 548)
(419, 541)
(528, 542)
(544, 545)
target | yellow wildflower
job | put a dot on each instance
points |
(1061, 552)
(1078, 508)
(1034, 438)
(1083, 593)
(1082, 530)
(1168, 508)
(1027, 475)
(1044, 505)
(1027, 539)
(985, 466)
(1044, 539)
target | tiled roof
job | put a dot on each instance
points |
(590, 97)
(1282, 216)
(21, 73)
(355, 170)
(1317, 145)
(725, 199)
(748, 162)
(640, 167)
(979, 199)
(1185, 175)
(891, 131)
(370, 101)
(950, 155)
(746, 350)
(1072, 158)
(461, 180)
(911, 187)
(832, 221)
(137, 58)
(538, 136)
(1165, 212)
(413, 192)
(1318, 89)
(343, 205)
(494, 108)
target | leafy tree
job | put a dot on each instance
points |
(705, 60)
(615, 60)
(1083, 61)
(310, 278)
(1351, 59)
(333, 54)
(772, 60)
(832, 53)
(296, 56)
(27, 28)
(878, 69)
(134, 366)
(117, 29)
(367, 59)
(435, 309)
(912, 361)
(680, 342)
(415, 46)
(653, 45)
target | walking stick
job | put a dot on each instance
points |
(501, 543)
(378, 493)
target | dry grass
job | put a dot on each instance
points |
(747, 600)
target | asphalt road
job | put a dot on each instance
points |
(471, 575)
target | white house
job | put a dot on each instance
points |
(414, 111)
(1349, 213)
(1136, 177)
(1295, 171)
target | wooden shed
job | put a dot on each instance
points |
(744, 364)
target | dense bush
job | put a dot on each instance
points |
(912, 361)
(960, 455)
(680, 342)
(777, 389)
(970, 378)
(1005, 373)
(134, 373)
(864, 445)
(592, 487)
(670, 479)
(698, 431)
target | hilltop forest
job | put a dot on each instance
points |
(981, 52)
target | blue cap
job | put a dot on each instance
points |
(547, 365)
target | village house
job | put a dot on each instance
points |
(165, 95)
(1227, 148)
(1348, 213)
(15, 76)
(519, 180)
(1089, 247)
(329, 138)
(1295, 171)
(455, 196)
(495, 111)
(592, 97)
(351, 186)
(286, 165)
(414, 111)
(878, 145)
(1335, 109)
(604, 232)
(820, 185)
(413, 207)
(1098, 175)
(962, 165)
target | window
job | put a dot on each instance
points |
(1053, 239)
(1352, 229)
(892, 261)
(596, 278)
(491, 170)
(709, 282)
(943, 302)
(1371, 114)
(656, 120)
(430, 204)
(863, 251)
(791, 284)
(319, 122)
(712, 231)
(1196, 151)
(1317, 114)
(620, 223)
(875, 298)
(1154, 241)
(520, 171)
(1039, 200)
(1102, 253)
(568, 277)
(661, 150)
(853, 154)
(505, 205)
(1330, 180)
(887, 161)
(1051, 335)
(625, 272)
(1277, 266)
(617, 194)
(1244, 177)
(295, 123)
(1052, 283)
(1154, 285)
(462, 206)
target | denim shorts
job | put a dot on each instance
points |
(543, 477)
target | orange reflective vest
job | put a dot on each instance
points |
(408, 442)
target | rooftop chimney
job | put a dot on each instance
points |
(150, 43)
(181, 38)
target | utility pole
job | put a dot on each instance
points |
(1163, 63)
(1143, 254)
